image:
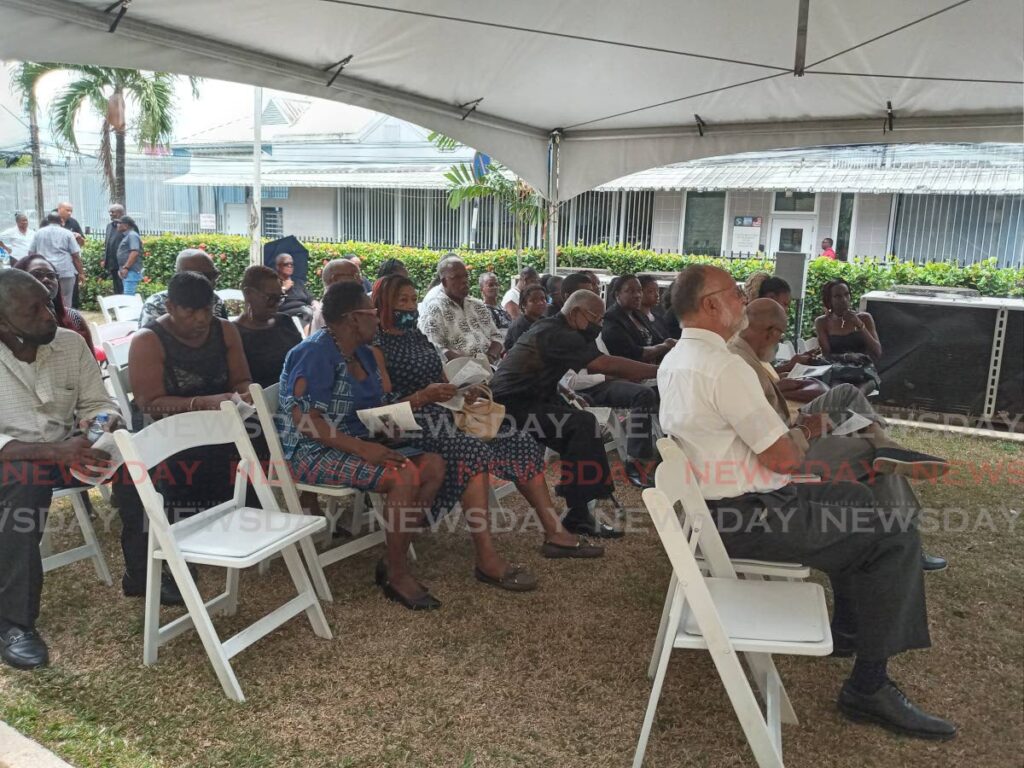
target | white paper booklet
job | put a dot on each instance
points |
(107, 444)
(855, 423)
(466, 372)
(245, 410)
(801, 371)
(389, 420)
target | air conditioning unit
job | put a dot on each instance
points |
(935, 290)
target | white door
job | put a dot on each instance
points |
(236, 219)
(794, 234)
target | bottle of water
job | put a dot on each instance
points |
(97, 427)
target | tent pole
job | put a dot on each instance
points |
(552, 230)
(256, 209)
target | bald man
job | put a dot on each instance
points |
(335, 271)
(864, 537)
(188, 260)
(526, 383)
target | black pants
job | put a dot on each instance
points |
(642, 402)
(865, 539)
(584, 474)
(115, 275)
(26, 490)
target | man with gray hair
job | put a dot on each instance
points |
(189, 260)
(527, 384)
(864, 537)
(458, 324)
(17, 239)
(111, 240)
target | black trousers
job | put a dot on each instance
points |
(115, 275)
(864, 538)
(584, 474)
(642, 402)
(26, 490)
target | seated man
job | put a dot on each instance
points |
(865, 538)
(852, 457)
(189, 260)
(51, 385)
(526, 383)
(298, 302)
(455, 322)
(335, 271)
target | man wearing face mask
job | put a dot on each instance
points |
(526, 383)
(50, 384)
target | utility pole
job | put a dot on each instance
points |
(256, 202)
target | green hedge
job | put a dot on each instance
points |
(231, 253)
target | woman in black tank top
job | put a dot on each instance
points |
(841, 330)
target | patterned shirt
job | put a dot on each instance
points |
(42, 402)
(468, 330)
(156, 307)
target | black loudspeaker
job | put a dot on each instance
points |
(937, 355)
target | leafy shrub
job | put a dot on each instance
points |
(231, 255)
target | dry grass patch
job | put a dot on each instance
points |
(556, 678)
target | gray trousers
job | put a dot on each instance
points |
(642, 402)
(863, 537)
(848, 457)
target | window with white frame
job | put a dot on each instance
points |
(794, 202)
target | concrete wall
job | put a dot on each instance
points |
(827, 202)
(749, 202)
(870, 230)
(310, 212)
(665, 224)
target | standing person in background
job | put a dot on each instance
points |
(16, 240)
(62, 250)
(827, 251)
(129, 255)
(70, 223)
(489, 288)
(111, 240)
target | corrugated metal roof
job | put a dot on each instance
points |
(239, 174)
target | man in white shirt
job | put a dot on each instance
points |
(865, 538)
(49, 383)
(17, 239)
(64, 253)
(510, 301)
(455, 322)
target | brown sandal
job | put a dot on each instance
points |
(515, 579)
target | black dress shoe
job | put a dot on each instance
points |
(425, 602)
(23, 648)
(900, 461)
(589, 526)
(637, 474)
(169, 592)
(890, 708)
(932, 562)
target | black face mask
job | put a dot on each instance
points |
(35, 340)
(591, 332)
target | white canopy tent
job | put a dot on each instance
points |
(576, 93)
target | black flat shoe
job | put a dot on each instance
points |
(169, 592)
(932, 562)
(425, 602)
(581, 549)
(591, 528)
(890, 708)
(640, 473)
(900, 461)
(23, 648)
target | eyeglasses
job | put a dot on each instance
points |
(736, 287)
(43, 274)
(211, 275)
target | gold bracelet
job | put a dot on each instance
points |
(806, 429)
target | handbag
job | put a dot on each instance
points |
(483, 417)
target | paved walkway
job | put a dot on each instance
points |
(17, 751)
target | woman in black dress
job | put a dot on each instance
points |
(267, 335)
(651, 306)
(413, 368)
(626, 332)
(842, 330)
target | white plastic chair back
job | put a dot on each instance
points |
(117, 354)
(120, 307)
(230, 294)
(118, 329)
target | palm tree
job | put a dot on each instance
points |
(106, 89)
(524, 203)
(25, 78)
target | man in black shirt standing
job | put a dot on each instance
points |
(69, 222)
(526, 383)
(111, 240)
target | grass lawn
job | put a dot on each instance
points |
(554, 678)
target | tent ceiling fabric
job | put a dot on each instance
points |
(593, 68)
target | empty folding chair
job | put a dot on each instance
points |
(230, 536)
(90, 550)
(121, 308)
(735, 621)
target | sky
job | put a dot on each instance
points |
(218, 102)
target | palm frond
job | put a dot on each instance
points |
(68, 104)
(444, 143)
(26, 76)
(106, 155)
(154, 96)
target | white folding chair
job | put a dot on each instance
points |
(229, 535)
(230, 294)
(299, 326)
(732, 618)
(90, 550)
(117, 352)
(119, 308)
(280, 476)
(672, 481)
(119, 329)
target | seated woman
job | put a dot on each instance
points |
(626, 332)
(186, 360)
(413, 370)
(842, 330)
(267, 335)
(42, 270)
(651, 307)
(533, 303)
(489, 287)
(553, 285)
(297, 302)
